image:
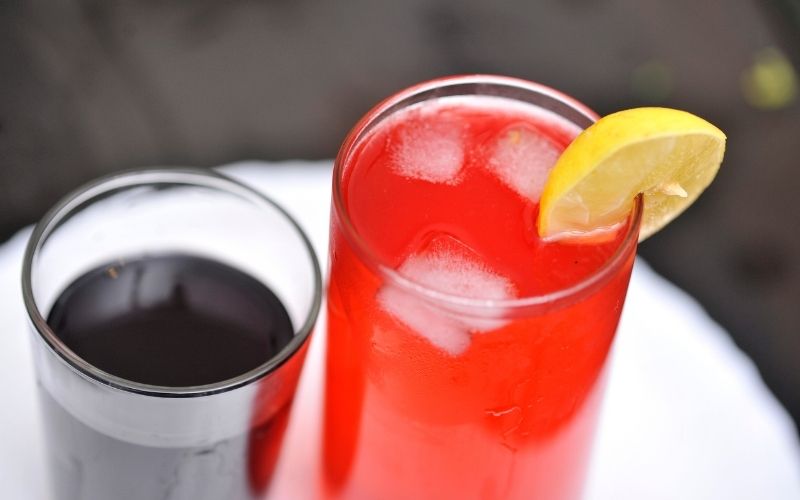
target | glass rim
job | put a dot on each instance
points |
(477, 306)
(94, 190)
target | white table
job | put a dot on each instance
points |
(686, 415)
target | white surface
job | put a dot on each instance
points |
(686, 414)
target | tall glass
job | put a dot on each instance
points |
(113, 438)
(460, 392)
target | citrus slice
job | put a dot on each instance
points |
(667, 155)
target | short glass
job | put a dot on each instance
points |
(511, 415)
(113, 438)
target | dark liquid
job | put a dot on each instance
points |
(171, 320)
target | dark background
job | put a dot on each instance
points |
(92, 86)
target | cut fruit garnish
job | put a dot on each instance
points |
(668, 156)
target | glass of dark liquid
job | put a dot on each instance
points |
(171, 310)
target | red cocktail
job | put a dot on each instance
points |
(466, 356)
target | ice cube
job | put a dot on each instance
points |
(522, 157)
(452, 273)
(447, 268)
(430, 151)
(438, 327)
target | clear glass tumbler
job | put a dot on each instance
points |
(450, 373)
(109, 437)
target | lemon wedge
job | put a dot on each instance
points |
(668, 156)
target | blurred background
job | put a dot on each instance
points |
(88, 87)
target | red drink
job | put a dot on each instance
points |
(466, 356)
